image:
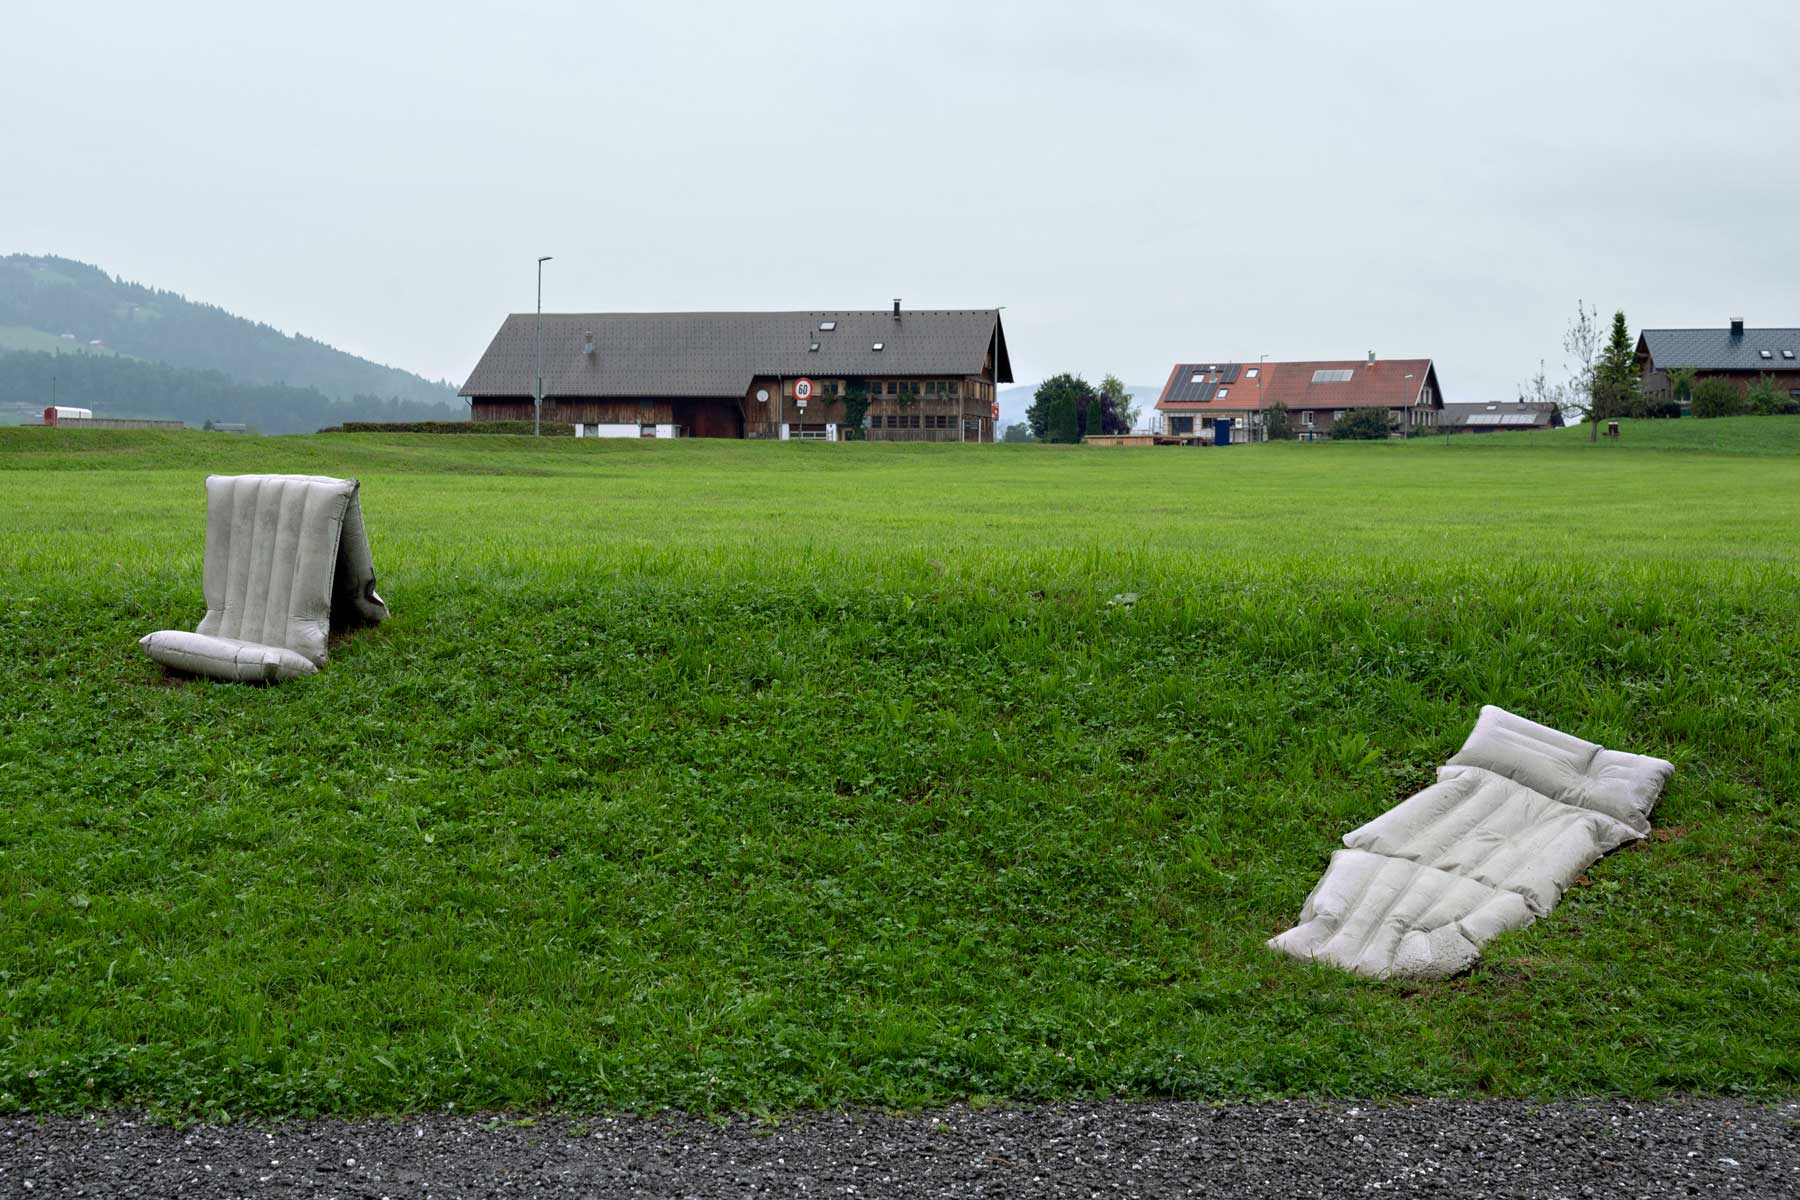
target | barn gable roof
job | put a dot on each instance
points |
(719, 353)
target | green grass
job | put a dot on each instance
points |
(760, 776)
(23, 337)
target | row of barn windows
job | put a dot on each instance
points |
(930, 387)
(914, 421)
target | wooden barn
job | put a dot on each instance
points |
(915, 376)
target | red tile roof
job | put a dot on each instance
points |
(1385, 383)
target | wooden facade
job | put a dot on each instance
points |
(900, 409)
(926, 375)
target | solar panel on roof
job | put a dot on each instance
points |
(1485, 418)
(1518, 419)
(1231, 373)
(1332, 376)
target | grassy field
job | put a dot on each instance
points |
(20, 337)
(759, 776)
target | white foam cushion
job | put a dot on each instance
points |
(1521, 811)
(287, 562)
(1488, 828)
(1383, 916)
(225, 658)
(1566, 768)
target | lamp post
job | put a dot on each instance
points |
(537, 409)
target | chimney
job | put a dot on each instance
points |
(896, 308)
(1371, 358)
(1737, 327)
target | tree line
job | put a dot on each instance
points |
(124, 387)
(1067, 408)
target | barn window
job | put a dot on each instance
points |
(1198, 377)
(827, 326)
(877, 346)
(1252, 373)
(1224, 392)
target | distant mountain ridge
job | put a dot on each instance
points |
(115, 385)
(58, 296)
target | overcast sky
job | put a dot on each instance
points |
(1138, 183)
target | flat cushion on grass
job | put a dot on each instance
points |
(225, 658)
(1518, 814)
(287, 564)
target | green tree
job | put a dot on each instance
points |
(1116, 396)
(1018, 431)
(1715, 397)
(856, 409)
(1278, 423)
(1681, 387)
(1581, 342)
(1058, 408)
(1616, 385)
(1362, 424)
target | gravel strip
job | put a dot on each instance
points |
(1441, 1148)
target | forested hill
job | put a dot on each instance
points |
(115, 386)
(57, 296)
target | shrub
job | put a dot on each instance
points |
(1765, 399)
(550, 428)
(1362, 424)
(1715, 397)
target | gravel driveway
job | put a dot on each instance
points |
(1462, 1149)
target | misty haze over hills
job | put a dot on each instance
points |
(124, 349)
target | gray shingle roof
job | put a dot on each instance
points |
(718, 354)
(1717, 350)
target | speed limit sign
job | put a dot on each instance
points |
(803, 390)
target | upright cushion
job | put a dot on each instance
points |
(287, 563)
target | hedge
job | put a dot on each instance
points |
(550, 428)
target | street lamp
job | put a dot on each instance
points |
(537, 410)
(1260, 363)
